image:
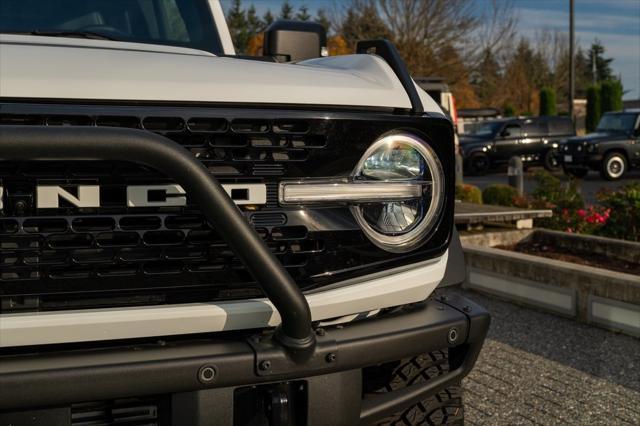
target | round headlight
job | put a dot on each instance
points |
(400, 226)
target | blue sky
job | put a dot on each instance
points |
(614, 22)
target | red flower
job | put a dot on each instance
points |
(582, 213)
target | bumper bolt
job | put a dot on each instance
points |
(207, 374)
(452, 336)
(320, 332)
(265, 365)
(331, 357)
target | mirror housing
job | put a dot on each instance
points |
(289, 41)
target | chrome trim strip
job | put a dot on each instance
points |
(332, 191)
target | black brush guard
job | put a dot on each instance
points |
(22, 143)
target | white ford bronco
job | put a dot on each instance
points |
(192, 237)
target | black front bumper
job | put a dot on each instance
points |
(201, 377)
(581, 160)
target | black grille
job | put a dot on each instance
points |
(115, 255)
(251, 145)
(577, 148)
(138, 251)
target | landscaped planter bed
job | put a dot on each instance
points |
(554, 251)
(596, 295)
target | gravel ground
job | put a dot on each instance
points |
(538, 368)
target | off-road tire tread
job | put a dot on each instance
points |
(443, 408)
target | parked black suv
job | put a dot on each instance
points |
(612, 149)
(534, 140)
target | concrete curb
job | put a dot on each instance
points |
(606, 298)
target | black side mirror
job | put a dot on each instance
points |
(289, 41)
(505, 133)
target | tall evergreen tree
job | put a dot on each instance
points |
(267, 18)
(593, 108)
(254, 23)
(487, 80)
(547, 101)
(598, 66)
(610, 95)
(303, 14)
(322, 19)
(286, 10)
(362, 22)
(237, 23)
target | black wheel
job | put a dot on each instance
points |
(478, 164)
(577, 173)
(550, 160)
(614, 166)
(443, 408)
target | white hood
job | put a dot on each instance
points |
(67, 68)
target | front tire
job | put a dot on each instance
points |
(479, 164)
(443, 408)
(614, 166)
(550, 161)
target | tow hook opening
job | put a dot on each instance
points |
(273, 404)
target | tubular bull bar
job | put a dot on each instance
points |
(21, 143)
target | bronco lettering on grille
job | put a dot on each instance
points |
(88, 196)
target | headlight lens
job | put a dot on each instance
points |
(401, 226)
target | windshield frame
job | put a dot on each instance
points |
(210, 40)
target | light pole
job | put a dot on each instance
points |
(572, 71)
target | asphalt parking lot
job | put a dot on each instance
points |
(538, 368)
(590, 185)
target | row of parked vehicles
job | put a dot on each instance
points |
(551, 142)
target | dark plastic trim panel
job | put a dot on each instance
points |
(456, 271)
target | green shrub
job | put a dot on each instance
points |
(508, 110)
(551, 193)
(500, 195)
(468, 193)
(593, 108)
(610, 96)
(624, 219)
(547, 101)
